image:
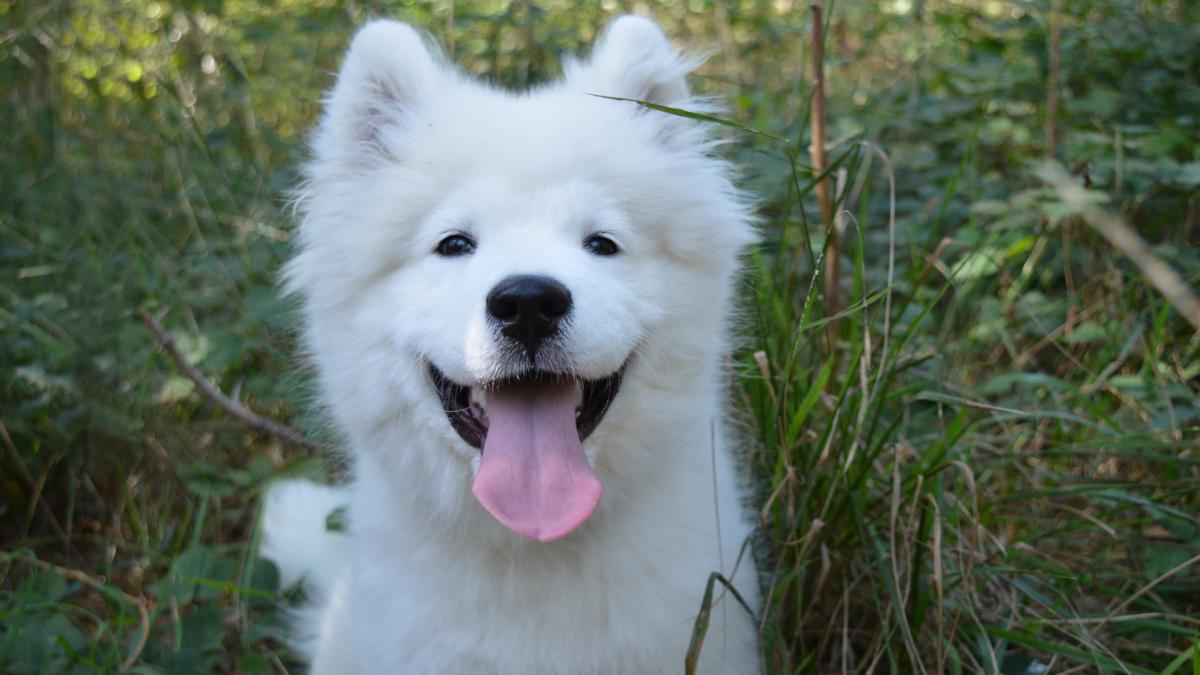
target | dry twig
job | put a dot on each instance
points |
(34, 489)
(233, 407)
(1116, 611)
(1118, 233)
(135, 651)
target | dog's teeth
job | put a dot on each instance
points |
(479, 397)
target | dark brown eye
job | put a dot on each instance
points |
(455, 245)
(598, 244)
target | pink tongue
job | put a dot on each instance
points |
(534, 477)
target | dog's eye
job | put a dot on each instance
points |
(455, 245)
(598, 244)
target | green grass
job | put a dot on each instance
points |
(987, 460)
(930, 511)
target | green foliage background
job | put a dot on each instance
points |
(994, 484)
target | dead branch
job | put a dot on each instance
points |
(1126, 240)
(135, 651)
(210, 390)
(34, 490)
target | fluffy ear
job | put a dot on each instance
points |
(633, 59)
(387, 72)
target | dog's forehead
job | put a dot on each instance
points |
(552, 133)
(514, 157)
(499, 201)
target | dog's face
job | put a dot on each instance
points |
(549, 278)
(527, 278)
(491, 277)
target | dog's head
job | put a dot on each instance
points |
(491, 277)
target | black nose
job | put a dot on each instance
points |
(528, 308)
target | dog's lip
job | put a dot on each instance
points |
(470, 420)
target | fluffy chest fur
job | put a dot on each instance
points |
(622, 598)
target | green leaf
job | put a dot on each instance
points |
(680, 112)
(195, 565)
(208, 479)
(336, 520)
(1088, 332)
(1159, 558)
(264, 576)
(1192, 653)
(1069, 652)
(254, 663)
(203, 629)
(796, 424)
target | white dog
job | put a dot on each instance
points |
(518, 307)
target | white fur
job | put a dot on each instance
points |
(410, 150)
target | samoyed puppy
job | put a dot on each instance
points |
(517, 304)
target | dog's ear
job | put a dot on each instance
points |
(633, 59)
(387, 72)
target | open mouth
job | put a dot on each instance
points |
(533, 475)
(466, 406)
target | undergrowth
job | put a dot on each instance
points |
(985, 461)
